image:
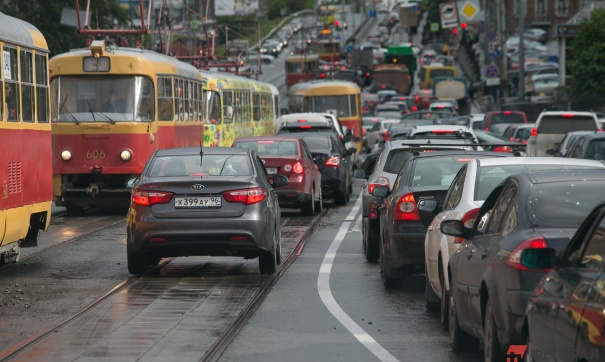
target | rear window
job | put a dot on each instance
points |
(395, 160)
(576, 198)
(596, 147)
(270, 148)
(317, 143)
(523, 134)
(441, 73)
(488, 177)
(506, 118)
(438, 171)
(206, 165)
(560, 125)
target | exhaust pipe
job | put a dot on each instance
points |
(92, 190)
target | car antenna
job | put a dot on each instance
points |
(201, 153)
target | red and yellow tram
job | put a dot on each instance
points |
(25, 136)
(301, 68)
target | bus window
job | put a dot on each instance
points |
(42, 88)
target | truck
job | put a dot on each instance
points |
(363, 60)
(402, 55)
(408, 16)
(396, 75)
(453, 88)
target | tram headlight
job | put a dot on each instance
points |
(66, 155)
(125, 155)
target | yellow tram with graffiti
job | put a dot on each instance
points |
(237, 107)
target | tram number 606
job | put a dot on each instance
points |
(95, 154)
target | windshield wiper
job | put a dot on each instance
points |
(62, 107)
(111, 121)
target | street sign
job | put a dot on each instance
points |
(490, 36)
(468, 11)
(449, 15)
(492, 81)
(492, 71)
(496, 53)
(434, 27)
(194, 24)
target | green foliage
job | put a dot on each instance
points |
(587, 58)
(46, 16)
(274, 7)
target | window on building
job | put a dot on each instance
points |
(561, 8)
(540, 8)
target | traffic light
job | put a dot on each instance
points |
(337, 23)
(463, 26)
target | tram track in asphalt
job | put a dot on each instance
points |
(220, 344)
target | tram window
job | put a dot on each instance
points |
(201, 103)
(42, 89)
(12, 109)
(256, 104)
(11, 75)
(214, 107)
(146, 107)
(27, 85)
(228, 111)
(165, 102)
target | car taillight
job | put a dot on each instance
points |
(298, 168)
(406, 209)
(148, 198)
(363, 130)
(534, 132)
(416, 98)
(333, 161)
(514, 258)
(503, 149)
(486, 129)
(468, 220)
(567, 115)
(246, 196)
(379, 181)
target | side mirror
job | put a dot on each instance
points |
(347, 138)
(599, 156)
(131, 182)
(279, 180)
(380, 191)
(427, 205)
(559, 154)
(455, 228)
(353, 150)
(538, 258)
(360, 174)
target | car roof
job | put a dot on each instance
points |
(308, 116)
(560, 113)
(323, 124)
(540, 161)
(196, 150)
(450, 152)
(281, 137)
(594, 135)
(454, 127)
(538, 177)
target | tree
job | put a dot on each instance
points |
(587, 58)
(46, 16)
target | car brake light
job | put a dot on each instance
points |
(414, 108)
(246, 196)
(440, 106)
(363, 130)
(567, 115)
(379, 181)
(503, 149)
(367, 74)
(298, 168)
(306, 127)
(534, 132)
(442, 131)
(406, 209)
(265, 142)
(486, 129)
(145, 198)
(468, 220)
(301, 120)
(506, 112)
(416, 98)
(514, 258)
(333, 161)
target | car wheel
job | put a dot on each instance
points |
(491, 342)
(319, 203)
(445, 302)
(267, 262)
(432, 302)
(385, 271)
(340, 198)
(137, 264)
(372, 243)
(459, 340)
(278, 248)
(308, 208)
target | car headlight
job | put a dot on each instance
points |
(125, 155)
(66, 155)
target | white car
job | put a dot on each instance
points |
(444, 132)
(446, 105)
(471, 186)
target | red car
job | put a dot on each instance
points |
(423, 99)
(291, 157)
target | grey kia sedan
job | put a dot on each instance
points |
(215, 201)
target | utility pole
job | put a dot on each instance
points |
(227, 39)
(258, 49)
(502, 45)
(521, 12)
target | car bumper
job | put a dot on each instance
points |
(291, 198)
(331, 182)
(245, 236)
(517, 302)
(405, 246)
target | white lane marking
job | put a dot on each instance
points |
(323, 287)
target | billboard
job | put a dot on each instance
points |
(235, 7)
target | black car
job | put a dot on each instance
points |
(334, 163)
(589, 146)
(565, 312)
(403, 225)
(306, 127)
(210, 201)
(491, 275)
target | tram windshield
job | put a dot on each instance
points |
(102, 99)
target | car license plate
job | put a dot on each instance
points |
(271, 170)
(197, 202)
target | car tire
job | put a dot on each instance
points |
(388, 282)
(267, 261)
(444, 306)
(278, 247)
(319, 203)
(432, 302)
(137, 263)
(459, 339)
(491, 343)
(308, 208)
(340, 198)
(372, 243)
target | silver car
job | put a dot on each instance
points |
(210, 201)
